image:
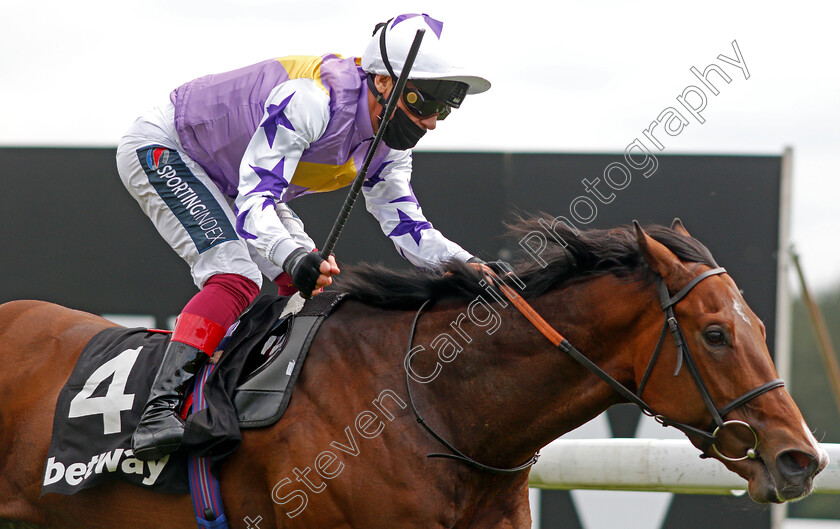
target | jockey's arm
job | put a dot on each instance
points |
(390, 198)
(297, 113)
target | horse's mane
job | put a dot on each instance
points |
(589, 254)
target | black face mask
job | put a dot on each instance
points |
(401, 133)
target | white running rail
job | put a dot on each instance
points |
(663, 465)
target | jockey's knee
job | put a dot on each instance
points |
(223, 297)
(240, 289)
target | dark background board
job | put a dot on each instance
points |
(72, 235)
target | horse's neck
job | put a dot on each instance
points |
(510, 391)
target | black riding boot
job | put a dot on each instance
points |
(160, 429)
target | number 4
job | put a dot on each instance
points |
(115, 400)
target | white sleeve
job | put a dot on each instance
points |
(389, 198)
(296, 115)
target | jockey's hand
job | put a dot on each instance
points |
(501, 268)
(309, 271)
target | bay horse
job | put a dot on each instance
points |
(349, 451)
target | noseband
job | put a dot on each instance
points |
(709, 437)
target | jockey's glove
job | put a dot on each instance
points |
(305, 268)
(500, 267)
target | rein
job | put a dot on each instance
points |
(456, 454)
(683, 356)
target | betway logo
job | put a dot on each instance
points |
(118, 460)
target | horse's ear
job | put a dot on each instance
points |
(678, 227)
(658, 257)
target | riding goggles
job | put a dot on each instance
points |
(423, 105)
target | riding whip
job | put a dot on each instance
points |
(360, 177)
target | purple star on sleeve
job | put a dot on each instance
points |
(240, 220)
(271, 180)
(276, 117)
(408, 198)
(410, 226)
(375, 178)
(240, 226)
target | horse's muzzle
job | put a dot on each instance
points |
(787, 477)
(797, 470)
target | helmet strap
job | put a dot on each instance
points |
(379, 98)
(384, 52)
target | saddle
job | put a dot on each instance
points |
(264, 395)
(251, 384)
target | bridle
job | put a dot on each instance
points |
(684, 354)
(708, 437)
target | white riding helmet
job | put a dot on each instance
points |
(432, 61)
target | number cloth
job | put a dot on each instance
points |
(97, 411)
(99, 407)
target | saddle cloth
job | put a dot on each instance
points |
(99, 406)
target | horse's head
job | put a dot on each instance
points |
(764, 438)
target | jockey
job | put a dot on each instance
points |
(215, 166)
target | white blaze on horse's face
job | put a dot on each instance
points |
(739, 309)
(823, 455)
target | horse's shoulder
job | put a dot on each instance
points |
(357, 317)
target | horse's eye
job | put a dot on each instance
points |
(715, 336)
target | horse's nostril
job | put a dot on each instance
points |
(795, 463)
